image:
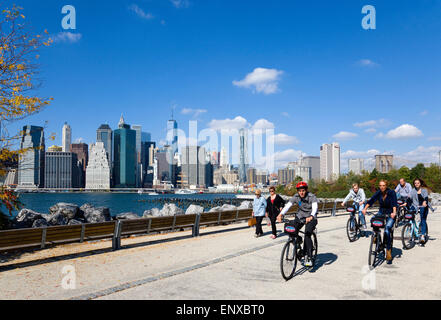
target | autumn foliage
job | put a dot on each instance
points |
(18, 81)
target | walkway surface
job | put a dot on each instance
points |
(225, 262)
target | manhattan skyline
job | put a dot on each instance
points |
(310, 71)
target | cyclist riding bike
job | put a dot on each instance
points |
(403, 191)
(357, 194)
(420, 203)
(387, 199)
(308, 207)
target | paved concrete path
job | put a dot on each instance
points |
(225, 262)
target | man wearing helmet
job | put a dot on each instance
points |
(308, 207)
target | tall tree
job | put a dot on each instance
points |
(19, 80)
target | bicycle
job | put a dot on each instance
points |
(401, 212)
(378, 245)
(412, 230)
(293, 250)
(353, 227)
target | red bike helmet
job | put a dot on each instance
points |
(302, 185)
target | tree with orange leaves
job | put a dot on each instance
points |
(18, 81)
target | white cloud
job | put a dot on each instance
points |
(424, 113)
(67, 37)
(423, 155)
(285, 114)
(140, 12)
(284, 139)
(263, 124)
(180, 3)
(367, 63)
(372, 123)
(405, 131)
(228, 124)
(262, 80)
(195, 112)
(434, 138)
(370, 130)
(350, 154)
(344, 135)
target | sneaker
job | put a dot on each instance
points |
(308, 262)
(365, 228)
(422, 239)
(273, 236)
(256, 235)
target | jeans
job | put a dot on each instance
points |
(388, 232)
(360, 214)
(423, 214)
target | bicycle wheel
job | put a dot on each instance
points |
(288, 260)
(352, 229)
(314, 248)
(373, 250)
(408, 236)
(400, 214)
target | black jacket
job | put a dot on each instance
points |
(273, 209)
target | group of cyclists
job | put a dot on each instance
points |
(415, 199)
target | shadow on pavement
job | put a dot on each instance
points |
(323, 259)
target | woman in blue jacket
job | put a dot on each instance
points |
(259, 209)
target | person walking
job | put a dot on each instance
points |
(259, 209)
(420, 202)
(274, 203)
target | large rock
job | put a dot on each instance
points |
(436, 199)
(245, 205)
(69, 210)
(40, 223)
(215, 209)
(26, 217)
(155, 212)
(95, 214)
(74, 222)
(127, 215)
(194, 209)
(228, 207)
(171, 209)
(58, 219)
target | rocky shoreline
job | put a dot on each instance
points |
(62, 214)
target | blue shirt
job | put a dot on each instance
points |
(259, 206)
(387, 205)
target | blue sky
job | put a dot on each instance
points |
(307, 68)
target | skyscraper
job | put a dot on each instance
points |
(330, 161)
(61, 170)
(66, 137)
(104, 135)
(124, 156)
(98, 169)
(196, 170)
(356, 165)
(31, 162)
(82, 152)
(223, 158)
(172, 136)
(243, 165)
